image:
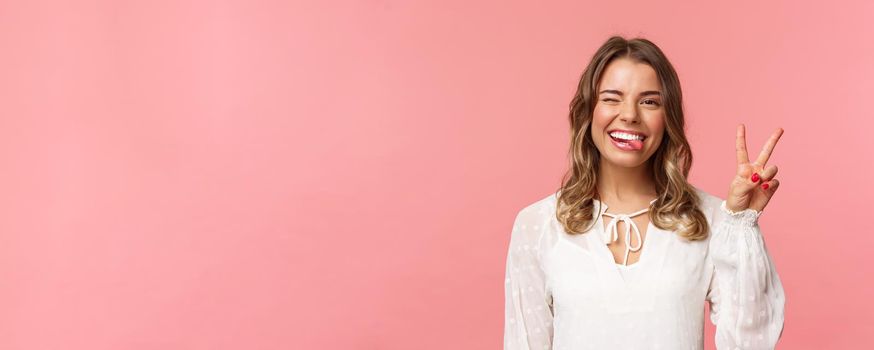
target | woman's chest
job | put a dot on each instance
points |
(671, 272)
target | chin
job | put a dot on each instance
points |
(628, 160)
(628, 164)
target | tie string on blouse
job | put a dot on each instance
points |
(612, 231)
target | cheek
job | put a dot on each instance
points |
(600, 118)
(598, 126)
(656, 123)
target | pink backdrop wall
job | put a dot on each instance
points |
(344, 175)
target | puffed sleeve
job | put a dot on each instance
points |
(745, 295)
(528, 310)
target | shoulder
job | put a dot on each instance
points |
(533, 218)
(708, 203)
(537, 210)
(707, 200)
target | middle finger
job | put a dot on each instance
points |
(769, 147)
(768, 173)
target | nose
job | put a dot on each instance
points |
(629, 113)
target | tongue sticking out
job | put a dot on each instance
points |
(631, 144)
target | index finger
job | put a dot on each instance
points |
(741, 146)
(769, 147)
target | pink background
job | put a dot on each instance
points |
(344, 175)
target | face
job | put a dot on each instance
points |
(629, 99)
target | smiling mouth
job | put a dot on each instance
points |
(635, 144)
(623, 135)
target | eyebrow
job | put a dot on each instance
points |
(645, 93)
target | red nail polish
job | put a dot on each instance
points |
(765, 186)
(755, 177)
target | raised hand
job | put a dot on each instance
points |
(754, 183)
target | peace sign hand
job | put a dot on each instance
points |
(754, 183)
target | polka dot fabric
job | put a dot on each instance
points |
(567, 292)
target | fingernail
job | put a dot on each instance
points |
(764, 186)
(755, 177)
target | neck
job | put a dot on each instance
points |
(618, 184)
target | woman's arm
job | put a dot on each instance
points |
(746, 295)
(528, 309)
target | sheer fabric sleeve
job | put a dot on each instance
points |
(746, 296)
(528, 310)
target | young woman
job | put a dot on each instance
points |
(626, 252)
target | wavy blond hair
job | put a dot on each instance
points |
(676, 208)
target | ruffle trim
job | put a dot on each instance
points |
(747, 216)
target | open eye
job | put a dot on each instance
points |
(654, 102)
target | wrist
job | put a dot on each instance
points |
(733, 209)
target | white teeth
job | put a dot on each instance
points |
(624, 136)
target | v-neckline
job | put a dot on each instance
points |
(646, 244)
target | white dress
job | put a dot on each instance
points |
(567, 292)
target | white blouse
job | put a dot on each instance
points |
(567, 292)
